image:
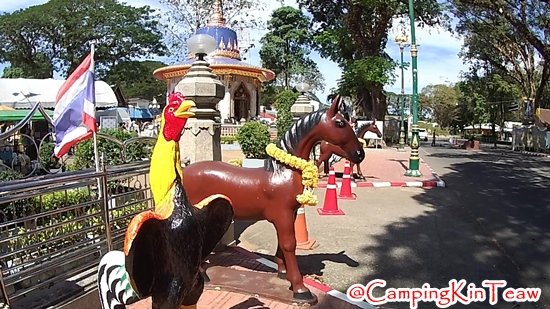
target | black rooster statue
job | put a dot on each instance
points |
(164, 248)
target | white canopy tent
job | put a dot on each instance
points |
(20, 93)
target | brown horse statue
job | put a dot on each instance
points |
(326, 149)
(269, 192)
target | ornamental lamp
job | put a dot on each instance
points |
(401, 40)
(303, 87)
(201, 45)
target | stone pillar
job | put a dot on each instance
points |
(201, 138)
(301, 107)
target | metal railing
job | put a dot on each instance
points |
(26, 153)
(56, 227)
(230, 130)
(530, 138)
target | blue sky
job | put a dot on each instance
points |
(438, 60)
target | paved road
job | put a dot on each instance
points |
(492, 222)
(507, 196)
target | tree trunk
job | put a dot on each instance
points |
(376, 102)
(542, 85)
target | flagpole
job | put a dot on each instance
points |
(96, 152)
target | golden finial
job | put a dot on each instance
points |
(217, 19)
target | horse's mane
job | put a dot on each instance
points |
(295, 133)
(298, 130)
(363, 127)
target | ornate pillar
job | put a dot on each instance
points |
(302, 106)
(201, 138)
(414, 159)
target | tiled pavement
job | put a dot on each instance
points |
(386, 168)
(241, 259)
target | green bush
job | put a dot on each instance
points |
(236, 162)
(228, 139)
(113, 152)
(283, 101)
(46, 157)
(253, 138)
(67, 221)
(47, 202)
(9, 175)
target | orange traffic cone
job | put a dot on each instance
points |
(303, 242)
(345, 191)
(330, 206)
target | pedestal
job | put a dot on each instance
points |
(414, 160)
(200, 141)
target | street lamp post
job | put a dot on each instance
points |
(414, 160)
(401, 40)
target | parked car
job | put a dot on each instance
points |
(422, 134)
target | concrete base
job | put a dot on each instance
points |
(201, 141)
(413, 173)
(310, 244)
(337, 212)
(253, 163)
(253, 283)
(353, 196)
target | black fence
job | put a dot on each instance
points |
(55, 228)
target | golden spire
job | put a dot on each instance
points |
(217, 19)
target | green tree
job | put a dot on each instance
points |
(354, 35)
(484, 98)
(283, 102)
(286, 48)
(185, 17)
(442, 102)
(136, 79)
(507, 37)
(253, 137)
(393, 103)
(56, 36)
(13, 72)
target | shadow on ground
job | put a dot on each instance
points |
(493, 222)
(314, 263)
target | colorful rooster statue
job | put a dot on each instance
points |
(164, 248)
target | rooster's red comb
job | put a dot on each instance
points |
(176, 97)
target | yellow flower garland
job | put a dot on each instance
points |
(310, 176)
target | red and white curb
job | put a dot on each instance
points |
(534, 154)
(322, 287)
(439, 183)
(436, 182)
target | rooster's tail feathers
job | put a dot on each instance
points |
(115, 290)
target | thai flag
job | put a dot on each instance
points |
(74, 113)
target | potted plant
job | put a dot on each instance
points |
(253, 137)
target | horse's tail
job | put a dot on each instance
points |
(115, 291)
(334, 159)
